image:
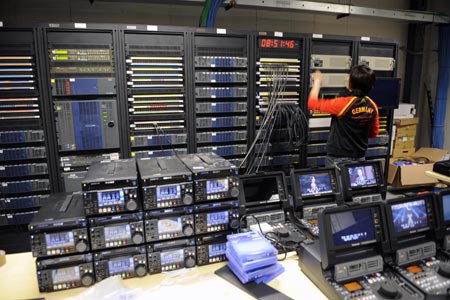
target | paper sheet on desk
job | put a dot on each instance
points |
(193, 284)
(111, 288)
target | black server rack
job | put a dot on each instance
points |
(280, 65)
(380, 55)
(334, 57)
(82, 80)
(221, 95)
(24, 171)
(156, 93)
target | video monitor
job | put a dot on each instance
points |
(409, 216)
(386, 92)
(444, 203)
(314, 183)
(263, 189)
(361, 176)
(352, 228)
(351, 232)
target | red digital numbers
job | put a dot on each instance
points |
(277, 43)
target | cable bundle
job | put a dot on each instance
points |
(280, 113)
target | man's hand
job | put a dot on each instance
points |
(317, 78)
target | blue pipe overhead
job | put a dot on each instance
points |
(442, 87)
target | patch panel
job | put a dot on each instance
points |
(223, 136)
(23, 170)
(22, 153)
(221, 107)
(221, 122)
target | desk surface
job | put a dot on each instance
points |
(18, 281)
(438, 176)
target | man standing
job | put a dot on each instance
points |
(354, 118)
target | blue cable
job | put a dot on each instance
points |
(216, 9)
(442, 87)
(211, 9)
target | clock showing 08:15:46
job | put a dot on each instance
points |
(278, 43)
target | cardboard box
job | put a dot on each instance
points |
(414, 175)
(408, 130)
(404, 142)
(396, 153)
(406, 121)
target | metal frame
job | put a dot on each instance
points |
(339, 9)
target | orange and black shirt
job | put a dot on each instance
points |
(353, 121)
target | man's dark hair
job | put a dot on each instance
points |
(361, 79)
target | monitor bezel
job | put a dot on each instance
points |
(295, 177)
(441, 196)
(332, 255)
(410, 234)
(281, 204)
(358, 190)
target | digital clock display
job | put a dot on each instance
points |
(278, 43)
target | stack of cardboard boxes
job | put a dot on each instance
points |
(407, 168)
(404, 137)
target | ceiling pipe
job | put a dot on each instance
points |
(338, 9)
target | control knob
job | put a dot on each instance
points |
(234, 224)
(189, 262)
(140, 270)
(234, 192)
(188, 230)
(444, 270)
(81, 246)
(87, 279)
(138, 238)
(388, 289)
(187, 200)
(131, 205)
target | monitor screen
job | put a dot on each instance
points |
(386, 92)
(362, 176)
(216, 186)
(353, 228)
(409, 216)
(172, 257)
(315, 184)
(217, 249)
(111, 198)
(168, 192)
(260, 190)
(446, 207)
(59, 240)
(170, 225)
(121, 265)
(68, 274)
(217, 218)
